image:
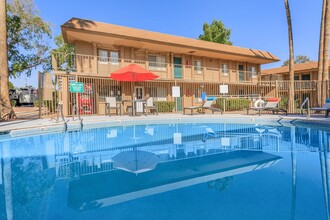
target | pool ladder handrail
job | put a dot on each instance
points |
(308, 107)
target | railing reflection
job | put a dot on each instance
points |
(90, 155)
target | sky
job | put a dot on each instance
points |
(256, 24)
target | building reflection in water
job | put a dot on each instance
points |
(188, 155)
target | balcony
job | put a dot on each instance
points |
(87, 65)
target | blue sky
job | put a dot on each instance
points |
(257, 24)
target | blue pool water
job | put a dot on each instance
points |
(168, 171)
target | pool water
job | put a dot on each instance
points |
(168, 171)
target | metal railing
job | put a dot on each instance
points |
(239, 96)
(103, 66)
(306, 101)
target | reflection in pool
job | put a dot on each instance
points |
(174, 171)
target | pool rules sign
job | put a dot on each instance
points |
(77, 87)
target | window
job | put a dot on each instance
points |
(253, 72)
(306, 77)
(114, 57)
(241, 74)
(224, 69)
(157, 62)
(198, 66)
(296, 77)
(158, 93)
(103, 56)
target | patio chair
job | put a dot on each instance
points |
(206, 106)
(271, 105)
(149, 105)
(111, 103)
(325, 108)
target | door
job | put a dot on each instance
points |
(177, 68)
(241, 76)
(139, 93)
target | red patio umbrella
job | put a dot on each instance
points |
(133, 73)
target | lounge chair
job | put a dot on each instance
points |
(149, 105)
(206, 106)
(271, 105)
(325, 108)
(111, 103)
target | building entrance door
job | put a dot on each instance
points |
(241, 76)
(139, 94)
(177, 68)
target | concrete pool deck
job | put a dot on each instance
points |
(49, 125)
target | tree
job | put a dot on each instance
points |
(299, 59)
(5, 106)
(64, 53)
(11, 85)
(325, 74)
(320, 59)
(27, 36)
(291, 58)
(216, 32)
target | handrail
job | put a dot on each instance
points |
(308, 107)
(70, 60)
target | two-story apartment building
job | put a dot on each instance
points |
(194, 65)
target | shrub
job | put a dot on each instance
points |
(283, 103)
(233, 104)
(165, 106)
(13, 103)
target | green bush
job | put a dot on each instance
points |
(283, 103)
(233, 104)
(165, 106)
(13, 103)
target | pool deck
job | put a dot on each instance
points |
(50, 125)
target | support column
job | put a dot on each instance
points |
(204, 68)
(172, 65)
(147, 59)
(122, 55)
(183, 66)
(132, 54)
(65, 95)
(230, 71)
(168, 66)
(220, 74)
(192, 68)
(94, 69)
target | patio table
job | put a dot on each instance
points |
(133, 104)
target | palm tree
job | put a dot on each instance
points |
(5, 106)
(325, 58)
(320, 61)
(291, 58)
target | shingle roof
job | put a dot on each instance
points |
(297, 67)
(138, 34)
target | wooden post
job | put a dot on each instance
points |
(94, 64)
(40, 88)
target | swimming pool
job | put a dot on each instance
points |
(178, 170)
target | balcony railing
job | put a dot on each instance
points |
(103, 66)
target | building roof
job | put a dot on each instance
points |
(78, 29)
(310, 66)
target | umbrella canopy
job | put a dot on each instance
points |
(135, 161)
(133, 73)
